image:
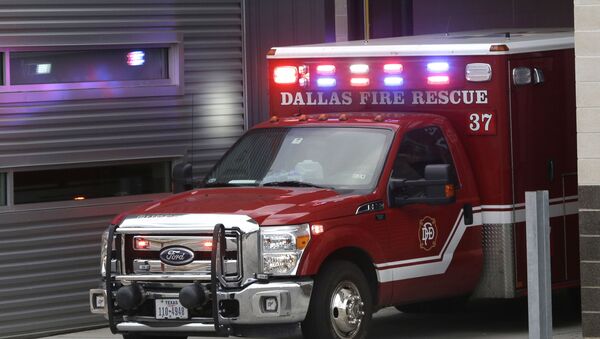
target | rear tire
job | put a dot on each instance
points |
(146, 336)
(341, 305)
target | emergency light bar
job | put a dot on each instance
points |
(346, 74)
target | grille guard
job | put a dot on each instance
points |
(218, 281)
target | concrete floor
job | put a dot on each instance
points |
(482, 319)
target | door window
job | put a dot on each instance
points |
(419, 148)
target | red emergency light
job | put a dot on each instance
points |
(207, 244)
(438, 80)
(141, 244)
(359, 82)
(285, 75)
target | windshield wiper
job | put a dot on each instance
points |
(224, 184)
(293, 183)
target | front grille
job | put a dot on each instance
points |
(146, 262)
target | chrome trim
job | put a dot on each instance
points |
(241, 227)
(197, 266)
(131, 326)
(370, 207)
(158, 242)
(159, 277)
(94, 292)
(185, 223)
(162, 295)
(292, 297)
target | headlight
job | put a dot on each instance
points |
(282, 248)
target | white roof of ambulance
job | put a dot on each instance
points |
(460, 43)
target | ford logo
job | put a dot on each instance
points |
(176, 256)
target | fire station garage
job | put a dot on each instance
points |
(103, 101)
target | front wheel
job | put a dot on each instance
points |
(341, 305)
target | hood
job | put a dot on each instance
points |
(267, 206)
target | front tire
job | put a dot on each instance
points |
(341, 305)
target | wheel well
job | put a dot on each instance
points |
(363, 261)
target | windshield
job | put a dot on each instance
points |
(344, 158)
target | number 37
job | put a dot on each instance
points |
(482, 124)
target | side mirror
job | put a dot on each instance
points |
(182, 177)
(435, 189)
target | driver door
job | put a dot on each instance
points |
(422, 237)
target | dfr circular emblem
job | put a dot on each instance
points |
(427, 233)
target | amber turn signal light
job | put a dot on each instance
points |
(449, 190)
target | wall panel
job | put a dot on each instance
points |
(49, 253)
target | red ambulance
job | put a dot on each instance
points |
(392, 172)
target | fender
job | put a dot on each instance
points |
(336, 238)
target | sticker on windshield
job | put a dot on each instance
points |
(297, 141)
(359, 176)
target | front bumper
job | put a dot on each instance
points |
(292, 300)
(234, 307)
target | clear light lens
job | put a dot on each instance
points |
(438, 80)
(326, 82)
(279, 263)
(392, 68)
(359, 69)
(285, 75)
(393, 81)
(279, 242)
(438, 67)
(282, 248)
(326, 69)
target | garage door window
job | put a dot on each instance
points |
(91, 182)
(71, 66)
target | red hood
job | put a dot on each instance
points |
(268, 206)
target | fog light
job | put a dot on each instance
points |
(130, 297)
(270, 304)
(192, 296)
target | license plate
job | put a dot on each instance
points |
(170, 309)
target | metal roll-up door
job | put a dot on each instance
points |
(49, 253)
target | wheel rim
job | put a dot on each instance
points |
(346, 310)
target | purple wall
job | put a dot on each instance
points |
(438, 16)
